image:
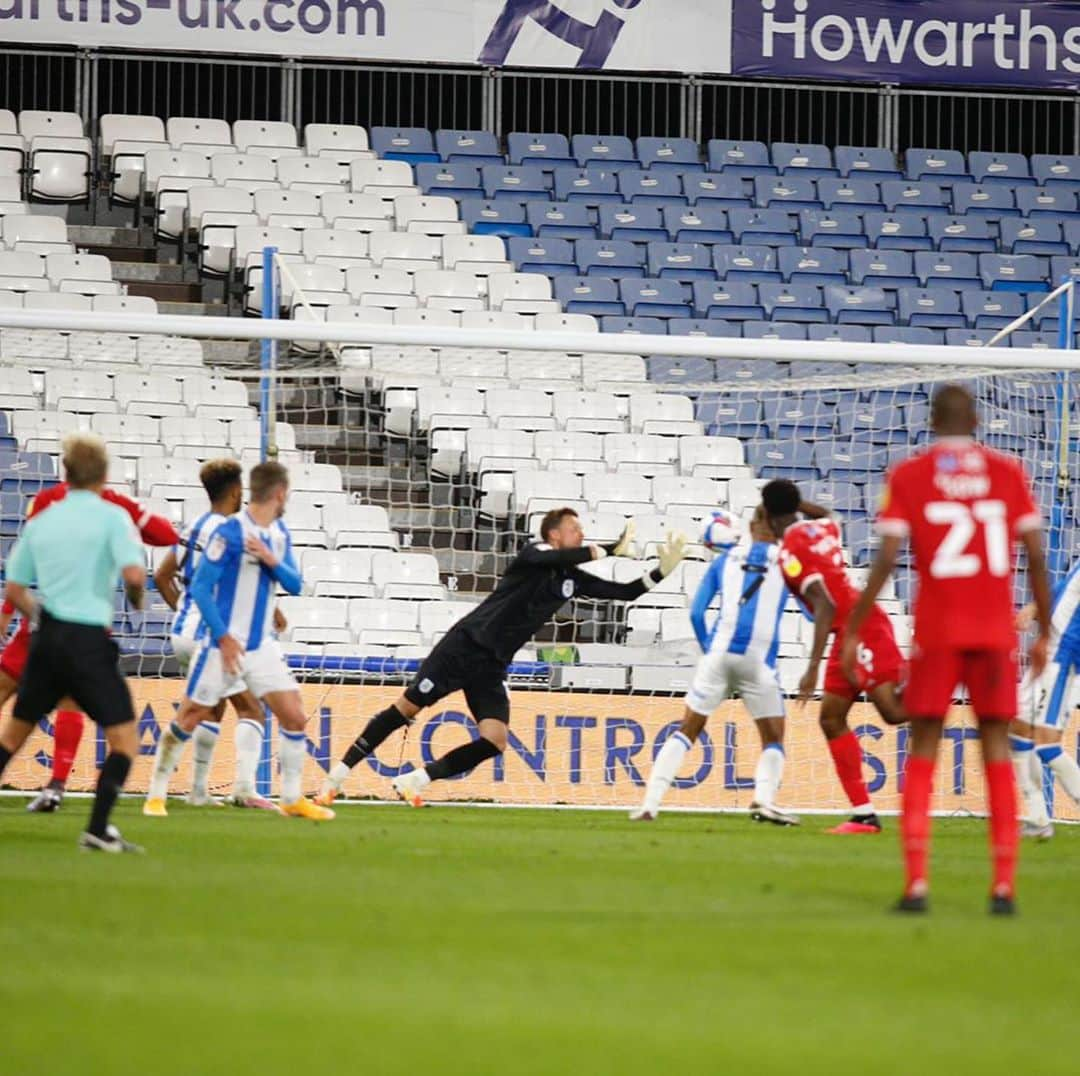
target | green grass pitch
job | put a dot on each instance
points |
(484, 941)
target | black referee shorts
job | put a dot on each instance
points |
(76, 660)
(458, 664)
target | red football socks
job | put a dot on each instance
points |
(915, 821)
(847, 758)
(1004, 828)
(67, 732)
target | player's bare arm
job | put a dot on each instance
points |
(824, 613)
(1040, 591)
(883, 566)
(165, 580)
(22, 598)
(134, 577)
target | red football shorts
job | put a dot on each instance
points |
(13, 657)
(879, 659)
(990, 676)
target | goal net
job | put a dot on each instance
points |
(421, 461)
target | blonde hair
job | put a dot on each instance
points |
(86, 461)
(265, 478)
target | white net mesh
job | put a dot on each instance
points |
(418, 471)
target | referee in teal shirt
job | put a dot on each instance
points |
(73, 553)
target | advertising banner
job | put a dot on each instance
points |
(565, 748)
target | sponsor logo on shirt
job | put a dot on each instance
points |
(216, 549)
(792, 565)
(568, 588)
(962, 487)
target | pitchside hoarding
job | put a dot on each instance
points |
(1010, 43)
(565, 748)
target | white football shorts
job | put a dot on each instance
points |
(262, 671)
(184, 650)
(719, 676)
(1048, 700)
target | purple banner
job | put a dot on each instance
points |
(973, 42)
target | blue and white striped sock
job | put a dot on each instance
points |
(205, 740)
(1063, 767)
(169, 749)
(665, 769)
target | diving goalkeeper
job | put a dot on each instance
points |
(476, 652)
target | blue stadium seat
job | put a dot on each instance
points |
(1038, 235)
(474, 147)
(952, 269)
(1040, 341)
(883, 268)
(790, 193)
(810, 160)
(590, 186)
(26, 472)
(906, 229)
(754, 263)
(545, 150)
(732, 300)
(1064, 265)
(682, 371)
(992, 199)
(839, 334)
(636, 223)
(1056, 201)
(494, 218)
(858, 306)
(1008, 168)
(1014, 272)
(736, 415)
(594, 295)
(638, 186)
(565, 220)
(932, 308)
(867, 162)
(772, 227)
(926, 196)
(841, 497)
(851, 193)
(669, 153)
(805, 368)
(602, 149)
(841, 228)
(513, 181)
(935, 165)
(701, 223)
(412, 144)
(793, 302)
(852, 459)
(715, 188)
(450, 179)
(614, 258)
(703, 327)
(542, 255)
(797, 419)
(873, 423)
(684, 262)
(907, 334)
(1072, 235)
(744, 159)
(862, 541)
(973, 234)
(773, 330)
(782, 459)
(635, 326)
(972, 338)
(1049, 168)
(813, 265)
(991, 309)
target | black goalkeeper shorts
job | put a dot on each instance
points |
(76, 660)
(458, 664)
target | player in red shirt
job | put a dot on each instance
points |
(963, 507)
(67, 722)
(812, 562)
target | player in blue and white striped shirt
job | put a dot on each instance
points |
(740, 651)
(1045, 705)
(246, 559)
(223, 481)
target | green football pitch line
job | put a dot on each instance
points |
(485, 941)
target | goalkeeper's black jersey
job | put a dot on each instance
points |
(539, 580)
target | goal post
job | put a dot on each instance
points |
(422, 457)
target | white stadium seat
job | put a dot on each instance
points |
(478, 254)
(262, 133)
(385, 622)
(338, 573)
(189, 130)
(527, 293)
(316, 620)
(246, 171)
(337, 141)
(114, 126)
(412, 576)
(387, 288)
(401, 250)
(356, 212)
(387, 179)
(596, 412)
(446, 289)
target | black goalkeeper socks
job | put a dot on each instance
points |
(113, 774)
(383, 724)
(462, 759)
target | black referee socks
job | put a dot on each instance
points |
(113, 774)
(377, 729)
(462, 759)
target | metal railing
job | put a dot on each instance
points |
(94, 82)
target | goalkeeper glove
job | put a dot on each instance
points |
(672, 552)
(624, 547)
